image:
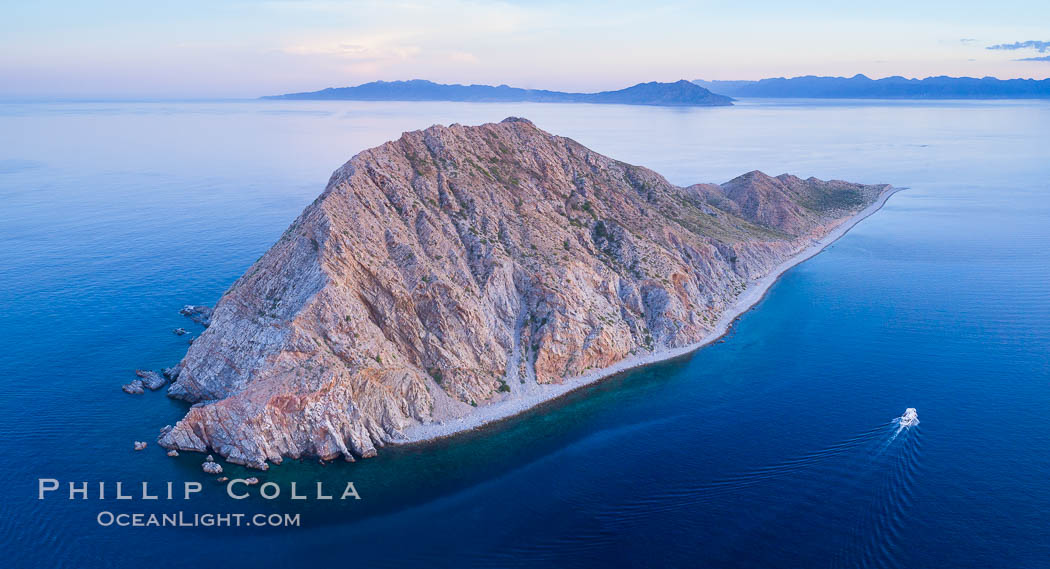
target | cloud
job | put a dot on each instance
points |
(967, 40)
(360, 51)
(463, 57)
(1040, 46)
(1043, 58)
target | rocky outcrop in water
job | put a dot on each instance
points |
(460, 266)
(210, 466)
(197, 313)
(151, 379)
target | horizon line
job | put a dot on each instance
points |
(113, 98)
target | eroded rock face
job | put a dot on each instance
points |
(458, 266)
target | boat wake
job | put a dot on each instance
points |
(865, 481)
(909, 419)
(880, 521)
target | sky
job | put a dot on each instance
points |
(235, 49)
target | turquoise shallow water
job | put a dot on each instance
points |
(773, 448)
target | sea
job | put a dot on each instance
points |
(780, 446)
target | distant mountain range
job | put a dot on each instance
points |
(861, 87)
(678, 94)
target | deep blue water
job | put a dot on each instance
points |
(774, 448)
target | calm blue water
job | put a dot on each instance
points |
(772, 449)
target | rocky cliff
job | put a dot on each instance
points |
(461, 266)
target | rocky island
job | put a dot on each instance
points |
(461, 274)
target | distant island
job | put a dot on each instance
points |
(678, 94)
(862, 87)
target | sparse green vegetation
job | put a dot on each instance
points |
(825, 199)
(600, 231)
